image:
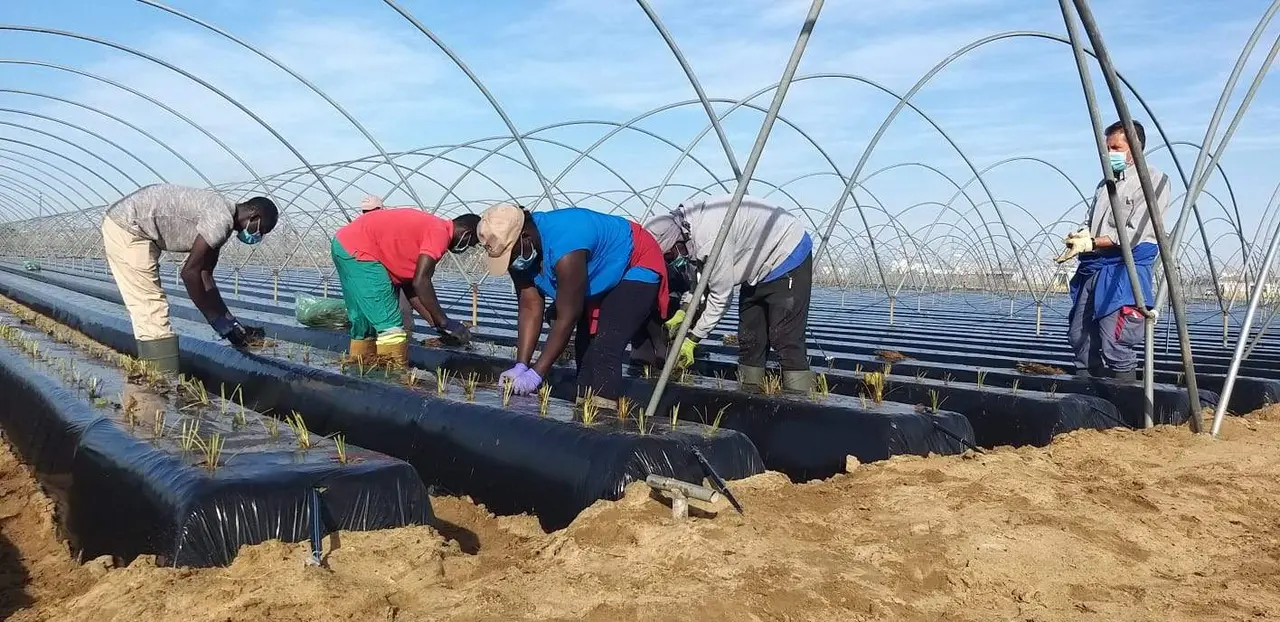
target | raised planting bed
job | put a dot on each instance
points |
(1034, 403)
(511, 461)
(142, 464)
(1253, 390)
(537, 453)
(804, 437)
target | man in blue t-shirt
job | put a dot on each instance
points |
(601, 271)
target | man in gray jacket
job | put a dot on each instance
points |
(770, 255)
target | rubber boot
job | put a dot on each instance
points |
(750, 378)
(396, 352)
(800, 382)
(361, 348)
(162, 354)
(1127, 376)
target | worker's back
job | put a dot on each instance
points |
(172, 216)
(761, 236)
(395, 238)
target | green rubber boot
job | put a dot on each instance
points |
(750, 378)
(160, 353)
(801, 382)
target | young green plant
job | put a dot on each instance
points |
(544, 400)
(874, 382)
(822, 387)
(590, 408)
(469, 386)
(340, 446)
(190, 434)
(442, 381)
(299, 427)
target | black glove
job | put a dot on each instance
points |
(454, 333)
(235, 333)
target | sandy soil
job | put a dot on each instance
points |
(1156, 525)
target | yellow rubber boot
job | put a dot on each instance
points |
(394, 345)
(363, 348)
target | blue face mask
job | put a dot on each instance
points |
(523, 263)
(680, 262)
(1118, 162)
(250, 238)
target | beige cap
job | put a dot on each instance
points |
(499, 229)
(370, 203)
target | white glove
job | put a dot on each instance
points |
(1079, 241)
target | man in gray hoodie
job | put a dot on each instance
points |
(770, 255)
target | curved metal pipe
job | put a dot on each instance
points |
(483, 90)
(144, 96)
(188, 75)
(697, 87)
(86, 131)
(123, 122)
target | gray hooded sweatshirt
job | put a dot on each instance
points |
(760, 239)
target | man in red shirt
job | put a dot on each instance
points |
(386, 250)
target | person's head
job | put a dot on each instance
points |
(464, 233)
(509, 237)
(371, 203)
(1118, 143)
(255, 218)
(672, 238)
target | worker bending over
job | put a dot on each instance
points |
(167, 217)
(769, 254)
(605, 274)
(384, 251)
(1105, 324)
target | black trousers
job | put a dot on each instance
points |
(623, 312)
(776, 314)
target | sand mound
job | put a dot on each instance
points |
(1157, 525)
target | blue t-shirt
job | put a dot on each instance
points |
(606, 238)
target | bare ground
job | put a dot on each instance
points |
(1155, 525)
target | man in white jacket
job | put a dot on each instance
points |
(770, 255)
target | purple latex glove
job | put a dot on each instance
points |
(526, 383)
(511, 374)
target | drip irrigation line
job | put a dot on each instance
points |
(956, 437)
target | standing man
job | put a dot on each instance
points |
(1104, 324)
(166, 217)
(385, 250)
(770, 255)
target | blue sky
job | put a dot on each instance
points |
(563, 60)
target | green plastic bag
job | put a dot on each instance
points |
(31, 266)
(315, 312)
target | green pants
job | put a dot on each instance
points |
(372, 303)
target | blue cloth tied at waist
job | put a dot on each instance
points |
(1112, 289)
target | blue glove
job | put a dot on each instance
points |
(512, 374)
(526, 382)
